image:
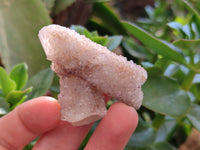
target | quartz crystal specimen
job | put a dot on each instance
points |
(88, 70)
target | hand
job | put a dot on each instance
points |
(41, 117)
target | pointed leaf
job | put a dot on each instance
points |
(163, 95)
(113, 42)
(192, 9)
(193, 45)
(20, 22)
(20, 75)
(6, 83)
(81, 30)
(161, 47)
(4, 109)
(40, 83)
(196, 15)
(136, 50)
(16, 96)
(100, 40)
(177, 26)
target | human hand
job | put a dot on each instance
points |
(41, 117)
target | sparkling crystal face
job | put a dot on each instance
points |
(88, 70)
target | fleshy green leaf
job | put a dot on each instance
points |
(4, 109)
(196, 15)
(192, 9)
(163, 95)
(113, 42)
(100, 40)
(142, 137)
(177, 26)
(15, 97)
(136, 50)
(20, 22)
(195, 90)
(194, 116)
(192, 45)
(166, 129)
(40, 83)
(154, 71)
(81, 30)
(161, 47)
(20, 75)
(6, 83)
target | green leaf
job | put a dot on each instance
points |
(196, 15)
(166, 129)
(100, 40)
(113, 42)
(192, 9)
(136, 50)
(192, 45)
(163, 95)
(15, 97)
(177, 26)
(161, 47)
(154, 71)
(162, 63)
(142, 137)
(20, 75)
(81, 30)
(6, 83)
(108, 18)
(40, 83)
(194, 116)
(4, 109)
(195, 90)
(19, 26)
(60, 5)
(94, 33)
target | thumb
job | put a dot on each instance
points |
(27, 122)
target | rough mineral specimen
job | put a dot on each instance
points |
(87, 70)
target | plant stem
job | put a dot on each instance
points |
(187, 82)
(194, 68)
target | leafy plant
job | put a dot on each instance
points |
(11, 86)
(165, 41)
(111, 42)
(15, 88)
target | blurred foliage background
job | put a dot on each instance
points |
(162, 36)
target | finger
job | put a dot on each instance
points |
(64, 136)
(28, 121)
(115, 129)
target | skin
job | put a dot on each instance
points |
(41, 117)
